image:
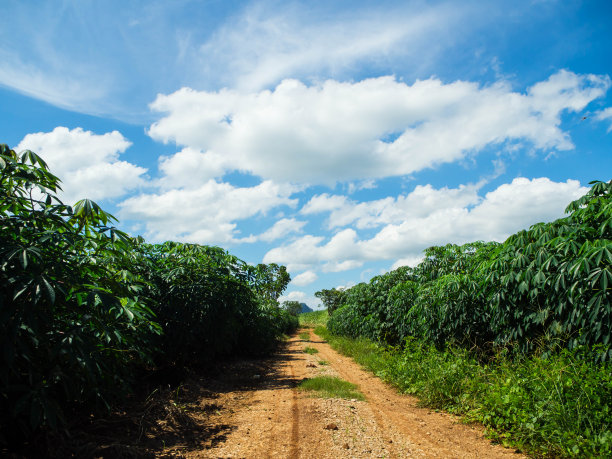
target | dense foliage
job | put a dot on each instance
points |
(83, 306)
(542, 286)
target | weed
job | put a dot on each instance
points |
(305, 336)
(310, 350)
(332, 387)
(323, 362)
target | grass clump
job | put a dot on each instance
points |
(305, 336)
(323, 362)
(314, 318)
(310, 350)
(332, 387)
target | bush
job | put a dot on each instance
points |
(72, 322)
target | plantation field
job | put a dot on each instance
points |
(112, 346)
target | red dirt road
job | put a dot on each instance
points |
(261, 413)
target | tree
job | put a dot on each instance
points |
(332, 299)
(292, 307)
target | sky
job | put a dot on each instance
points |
(337, 138)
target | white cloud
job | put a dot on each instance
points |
(204, 214)
(370, 214)
(306, 278)
(498, 214)
(88, 164)
(282, 228)
(605, 115)
(189, 168)
(63, 89)
(263, 45)
(375, 128)
(408, 261)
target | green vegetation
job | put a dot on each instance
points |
(323, 362)
(310, 350)
(85, 308)
(305, 336)
(314, 318)
(332, 387)
(292, 307)
(503, 333)
(555, 406)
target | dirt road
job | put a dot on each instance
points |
(254, 410)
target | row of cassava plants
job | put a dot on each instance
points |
(551, 283)
(541, 299)
(84, 307)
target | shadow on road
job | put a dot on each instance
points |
(192, 415)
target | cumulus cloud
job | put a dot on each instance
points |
(501, 212)
(204, 214)
(371, 214)
(605, 115)
(189, 168)
(88, 164)
(282, 228)
(306, 278)
(379, 127)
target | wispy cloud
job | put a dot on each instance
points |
(265, 44)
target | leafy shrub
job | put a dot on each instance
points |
(72, 322)
(555, 280)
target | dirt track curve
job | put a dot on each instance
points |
(258, 412)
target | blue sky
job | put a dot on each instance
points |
(337, 138)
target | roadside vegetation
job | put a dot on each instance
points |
(87, 311)
(313, 319)
(515, 335)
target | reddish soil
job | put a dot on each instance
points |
(254, 409)
(262, 413)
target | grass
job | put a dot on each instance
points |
(323, 362)
(558, 406)
(314, 318)
(305, 336)
(310, 350)
(332, 387)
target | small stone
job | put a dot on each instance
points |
(346, 446)
(311, 365)
(331, 426)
